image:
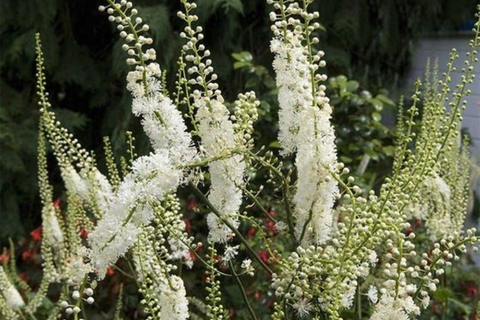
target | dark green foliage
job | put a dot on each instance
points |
(364, 143)
(367, 40)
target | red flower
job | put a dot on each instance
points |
(83, 233)
(472, 290)
(28, 254)
(192, 255)
(57, 203)
(418, 223)
(5, 257)
(251, 232)
(256, 295)
(192, 204)
(409, 230)
(110, 271)
(263, 255)
(187, 225)
(271, 227)
(36, 234)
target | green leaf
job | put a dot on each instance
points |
(346, 159)
(389, 150)
(275, 144)
(269, 83)
(372, 154)
(242, 56)
(241, 64)
(442, 294)
(384, 99)
(466, 308)
(341, 79)
(252, 82)
(377, 104)
(376, 116)
(352, 85)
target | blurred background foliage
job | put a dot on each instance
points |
(369, 42)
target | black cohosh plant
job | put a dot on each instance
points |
(338, 237)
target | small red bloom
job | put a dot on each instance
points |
(187, 225)
(110, 271)
(5, 257)
(256, 295)
(251, 232)
(263, 255)
(271, 212)
(192, 255)
(418, 223)
(28, 254)
(83, 233)
(57, 203)
(271, 227)
(409, 230)
(36, 234)
(192, 204)
(472, 290)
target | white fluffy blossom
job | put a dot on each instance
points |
(54, 234)
(152, 176)
(173, 300)
(99, 188)
(74, 183)
(89, 185)
(302, 307)
(75, 268)
(434, 206)
(12, 297)
(162, 121)
(226, 175)
(169, 290)
(349, 295)
(305, 128)
(230, 253)
(247, 265)
(389, 308)
(289, 64)
(316, 188)
(372, 294)
(180, 251)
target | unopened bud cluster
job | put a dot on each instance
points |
(130, 28)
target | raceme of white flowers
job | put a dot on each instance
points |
(217, 133)
(304, 122)
(337, 236)
(12, 297)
